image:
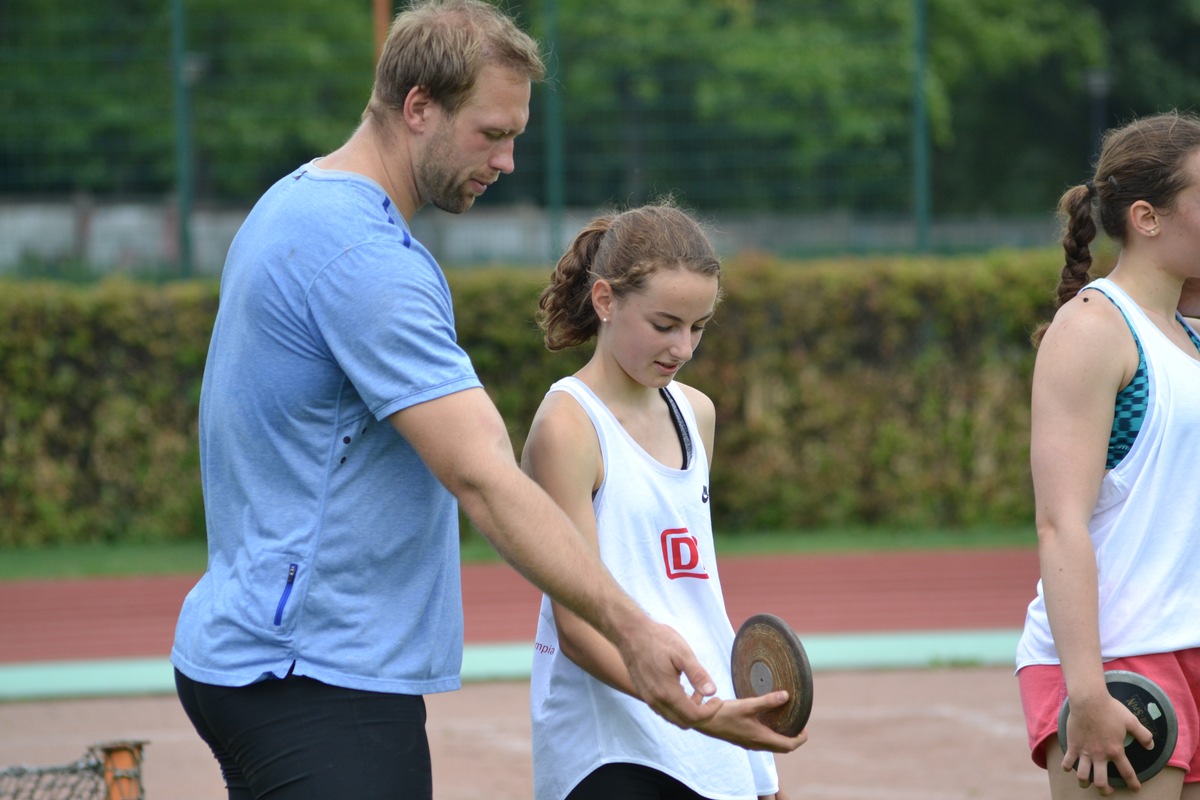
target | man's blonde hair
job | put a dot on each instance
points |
(442, 46)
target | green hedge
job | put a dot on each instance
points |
(100, 387)
(849, 391)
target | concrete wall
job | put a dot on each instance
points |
(137, 237)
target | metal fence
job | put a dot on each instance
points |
(109, 771)
(136, 135)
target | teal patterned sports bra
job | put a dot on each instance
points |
(1131, 404)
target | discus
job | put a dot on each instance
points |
(767, 657)
(1150, 704)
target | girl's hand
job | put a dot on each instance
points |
(736, 721)
(1096, 731)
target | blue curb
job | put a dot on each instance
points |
(44, 680)
(492, 662)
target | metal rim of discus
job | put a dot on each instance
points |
(1150, 704)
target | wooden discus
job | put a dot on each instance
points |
(768, 656)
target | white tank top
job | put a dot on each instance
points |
(655, 536)
(1145, 528)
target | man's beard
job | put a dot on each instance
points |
(437, 178)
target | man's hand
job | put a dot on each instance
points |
(656, 655)
(737, 722)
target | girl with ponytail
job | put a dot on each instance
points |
(1115, 446)
(625, 449)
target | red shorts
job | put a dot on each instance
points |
(1043, 691)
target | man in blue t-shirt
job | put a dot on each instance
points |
(341, 425)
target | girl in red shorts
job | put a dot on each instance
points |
(1114, 451)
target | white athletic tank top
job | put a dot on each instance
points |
(656, 537)
(1145, 528)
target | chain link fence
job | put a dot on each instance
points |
(136, 136)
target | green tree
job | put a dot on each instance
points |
(1150, 58)
(88, 103)
(85, 96)
(807, 105)
(279, 82)
(1010, 104)
(731, 103)
(795, 105)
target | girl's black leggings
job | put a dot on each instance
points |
(630, 782)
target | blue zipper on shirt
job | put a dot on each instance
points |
(287, 592)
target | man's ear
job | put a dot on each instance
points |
(418, 105)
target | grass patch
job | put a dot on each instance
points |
(104, 560)
(869, 539)
(835, 540)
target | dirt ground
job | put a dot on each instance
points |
(932, 734)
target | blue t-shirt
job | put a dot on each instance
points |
(331, 545)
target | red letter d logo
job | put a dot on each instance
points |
(681, 555)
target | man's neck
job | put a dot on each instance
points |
(381, 158)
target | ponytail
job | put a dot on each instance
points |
(565, 307)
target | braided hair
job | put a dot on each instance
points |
(1143, 160)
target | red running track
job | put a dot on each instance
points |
(842, 593)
